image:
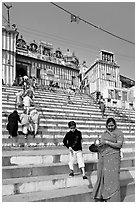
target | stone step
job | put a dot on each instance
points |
(51, 139)
(53, 104)
(129, 198)
(60, 189)
(43, 156)
(40, 166)
(27, 155)
(49, 95)
(52, 101)
(59, 121)
(14, 90)
(62, 122)
(55, 138)
(86, 132)
(57, 150)
(57, 99)
(63, 110)
(74, 116)
(59, 132)
(54, 115)
(76, 194)
(95, 119)
(85, 124)
(55, 130)
(43, 92)
(128, 154)
(59, 96)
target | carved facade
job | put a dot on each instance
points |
(37, 59)
(104, 77)
(42, 61)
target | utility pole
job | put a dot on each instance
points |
(8, 8)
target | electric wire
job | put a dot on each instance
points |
(93, 25)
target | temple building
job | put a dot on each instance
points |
(40, 59)
(37, 59)
(103, 78)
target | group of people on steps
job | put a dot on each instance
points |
(30, 117)
(107, 146)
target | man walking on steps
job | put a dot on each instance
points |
(73, 141)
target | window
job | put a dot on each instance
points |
(111, 94)
(117, 95)
(124, 96)
(108, 76)
(38, 73)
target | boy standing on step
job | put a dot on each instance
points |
(73, 141)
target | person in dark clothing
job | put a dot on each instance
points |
(51, 86)
(73, 141)
(12, 125)
(56, 85)
(3, 82)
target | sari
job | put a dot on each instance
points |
(12, 125)
(107, 186)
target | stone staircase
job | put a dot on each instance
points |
(36, 170)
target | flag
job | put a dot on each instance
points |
(74, 18)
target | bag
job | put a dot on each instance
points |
(93, 148)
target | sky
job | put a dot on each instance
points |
(43, 21)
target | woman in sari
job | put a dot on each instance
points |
(12, 125)
(107, 187)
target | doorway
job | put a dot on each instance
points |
(21, 70)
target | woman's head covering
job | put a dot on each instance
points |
(15, 111)
(111, 120)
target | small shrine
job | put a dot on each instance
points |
(71, 59)
(58, 53)
(33, 46)
(45, 48)
(21, 43)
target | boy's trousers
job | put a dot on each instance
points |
(78, 156)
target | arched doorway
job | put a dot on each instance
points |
(21, 70)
